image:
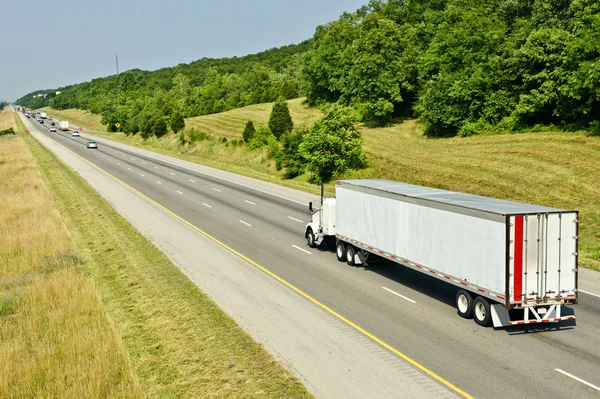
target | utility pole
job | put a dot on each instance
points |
(117, 58)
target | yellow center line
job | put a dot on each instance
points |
(284, 282)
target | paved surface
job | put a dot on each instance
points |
(333, 359)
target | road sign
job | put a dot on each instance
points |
(117, 125)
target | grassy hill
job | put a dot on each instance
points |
(554, 169)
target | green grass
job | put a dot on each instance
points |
(553, 169)
(77, 117)
(177, 341)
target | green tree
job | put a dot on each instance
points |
(293, 161)
(249, 132)
(177, 122)
(280, 121)
(333, 145)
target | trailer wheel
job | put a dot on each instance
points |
(310, 238)
(482, 312)
(464, 304)
(340, 251)
(350, 254)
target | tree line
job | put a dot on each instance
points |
(460, 66)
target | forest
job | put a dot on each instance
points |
(461, 66)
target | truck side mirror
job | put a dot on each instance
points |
(310, 206)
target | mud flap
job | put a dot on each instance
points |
(500, 316)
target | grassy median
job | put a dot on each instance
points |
(90, 308)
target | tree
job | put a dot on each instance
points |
(333, 145)
(177, 122)
(280, 121)
(249, 131)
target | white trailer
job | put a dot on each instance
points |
(514, 263)
(43, 115)
(63, 125)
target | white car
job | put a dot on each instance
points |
(92, 144)
(50, 117)
(53, 129)
(75, 134)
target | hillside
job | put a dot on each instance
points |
(554, 169)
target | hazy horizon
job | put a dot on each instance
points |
(79, 41)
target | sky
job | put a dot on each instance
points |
(51, 44)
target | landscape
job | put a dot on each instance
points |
(174, 232)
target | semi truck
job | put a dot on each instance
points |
(43, 115)
(512, 263)
(63, 125)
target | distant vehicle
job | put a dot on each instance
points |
(53, 129)
(43, 115)
(41, 121)
(513, 263)
(52, 124)
(49, 117)
(75, 134)
(28, 117)
(92, 144)
(63, 125)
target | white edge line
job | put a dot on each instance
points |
(400, 295)
(589, 293)
(179, 192)
(216, 189)
(158, 182)
(578, 379)
(208, 206)
(172, 173)
(302, 249)
(297, 220)
(193, 181)
(247, 224)
(129, 168)
(143, 175)
(250, 202)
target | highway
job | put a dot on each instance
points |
(410, 312)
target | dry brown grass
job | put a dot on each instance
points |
(55, 338)
(180, 344)
(6, 119)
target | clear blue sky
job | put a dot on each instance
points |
(47, 44)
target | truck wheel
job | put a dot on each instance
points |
(310, 238)
(464, 304)
(340, 251)
(350, 254)
(482, 312)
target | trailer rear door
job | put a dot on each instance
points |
(543, 257)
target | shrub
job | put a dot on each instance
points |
(293, 161)
(177, 122)
(10, 130)
(181, 137)
(280, 121)
(261, 138)
(249, 132)
(196, 135)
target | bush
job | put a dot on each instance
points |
(249, 132)
(10, 130)
(181, 137)
(159, 127)
(293, 161)
(280, 121)
(196, 135)
(261, 138)
(177, 122)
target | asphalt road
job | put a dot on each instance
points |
(411, 312)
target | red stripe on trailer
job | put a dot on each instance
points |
(448, 277)
(432, 271)
(463, 283)
(518, 257)
(480, 290)
(419, 266)
(393, 257)
(500, 297)
(571, 295)
(530, 299)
